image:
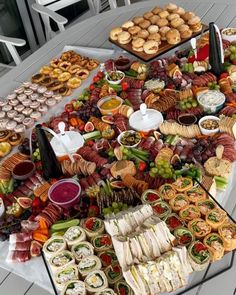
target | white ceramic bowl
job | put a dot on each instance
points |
(208, 107)
(227, 37)
(119, 138)
(111, 111)
(208, 131)
(115, 82)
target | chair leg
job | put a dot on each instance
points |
(94, 6)
(127, 2)
(112, 4)
(14, 53)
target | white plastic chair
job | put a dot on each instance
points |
(47, 9)
(112, 4)
(10, 44)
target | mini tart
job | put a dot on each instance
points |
(55, 62)
(227, 232)
(179, 202)
(93, 226)
(216, 217)
(15, 139)
(4, 135)
(161, 209)
(196, 194)
(55, 85)
(76, 286)
(189, 213)
(65, 91)
(37, 78)
(54, 245)
(215, 245)
(167, 191)
(81, 250)
(55, 73)
(64, 65)
(88, 264)
(199, 227)
(45, 70)
(61, 260)
(82, 74)
(182, 184)
(102, 242)
(184, 236)
(63, 276)
(46, 81)
(64, 77)
(74, 69)
(92, 64)
(74, 235)
(74, 82)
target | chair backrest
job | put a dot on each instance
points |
(113, 3)
(51, 4)
(10, 44)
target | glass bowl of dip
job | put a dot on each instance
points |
(23, 170)
(211, 101)
(65, 192)
(109, 105)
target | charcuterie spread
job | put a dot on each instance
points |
(117, 196)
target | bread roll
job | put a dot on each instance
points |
(114, 33)
(151, 47)
(137, 44)
(145, 24)
(163, 14)
(162, 22)
(154, 19)
(124, 38)
(127, 25)
(143, 34)
(137, 19)
(153, 29)
(148, 14)
(134, 30)
(176, 22)
(173, 36)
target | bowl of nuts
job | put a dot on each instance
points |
(229, 34)
(209, 125)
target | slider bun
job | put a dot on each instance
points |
(137, 19)
(182, 28)
(134, 30)
(153, 19)
(171, 7)
(153, 29)
(143, 34)
(194, 20)
(179, 11)
(163, 32)
(127, 25)
(145, 24)
(151, 47)
(186, 33)
(148, 14)
(172, 16)
(156, 10)
(162, 22)
(187, 15)
(155, 37)
(137, 44)
(163, 14)
(176, 22)
(196, 28)
(124, 38)
(173, 36)
(114, 33)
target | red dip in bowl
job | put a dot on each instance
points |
(65, 192)
(122, 64)
(23, 170)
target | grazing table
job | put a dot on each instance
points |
(94, 32)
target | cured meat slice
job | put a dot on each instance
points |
(20, 237)
(24, 246)
(18, 256)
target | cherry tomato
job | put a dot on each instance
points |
(90, 142)
(124, 86)
(91, 87)
(224, 75)
(96, 79)
(81, 127)
(69, 108)
(142, 166)
(100, 74)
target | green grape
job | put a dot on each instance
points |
(188, 105)
(117, 210)
(120, 204)
(115, 205)
(194, 104)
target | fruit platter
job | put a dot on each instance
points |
(132, 207)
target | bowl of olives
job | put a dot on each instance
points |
(115, 77)
(209, 125)
(129, 138)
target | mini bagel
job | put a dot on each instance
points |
(114, 33)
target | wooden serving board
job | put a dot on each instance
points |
(164, 47)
